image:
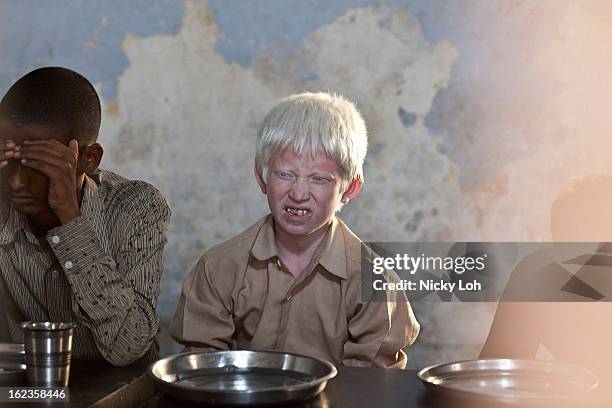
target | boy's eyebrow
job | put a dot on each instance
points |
(325, 176)
(321, 173)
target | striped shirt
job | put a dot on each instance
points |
(102, 272)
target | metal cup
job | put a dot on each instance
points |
(48, 350)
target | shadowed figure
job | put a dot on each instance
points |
(569, 316)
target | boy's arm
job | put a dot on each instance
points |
(520, 322)
(378, 331)
(203, 319)
(117, 298)
(513, 333)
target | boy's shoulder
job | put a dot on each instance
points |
(119, 206)
(115, 189)
(358, 253)
(350, 250)
(238, 246)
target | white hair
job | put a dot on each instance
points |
(309, 122)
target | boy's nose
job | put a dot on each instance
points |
(17, 178)
(299, 191)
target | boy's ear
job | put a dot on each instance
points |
(260, 180)
(352, 190)
(90, 158)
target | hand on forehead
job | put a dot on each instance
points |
(34, 143)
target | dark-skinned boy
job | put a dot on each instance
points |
(77, 243)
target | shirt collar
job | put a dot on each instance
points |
(264, 247)
(332, 258)
(14, 222)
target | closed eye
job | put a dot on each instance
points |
(321, 179)
(284, 175)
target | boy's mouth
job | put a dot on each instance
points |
(297, 212)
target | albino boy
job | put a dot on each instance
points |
(291, 282)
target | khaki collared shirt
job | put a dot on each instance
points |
(240, 296)
(102, 271)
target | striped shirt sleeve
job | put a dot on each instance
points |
(115, 296)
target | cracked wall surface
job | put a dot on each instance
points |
(478, 113)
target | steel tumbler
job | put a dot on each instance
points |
(48, 350)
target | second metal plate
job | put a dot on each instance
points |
(509, 380)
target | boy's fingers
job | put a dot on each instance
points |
(44, 167)
(46, 150)
(74, 145)
(52, 146)
(42, 156)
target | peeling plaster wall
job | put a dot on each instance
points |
(478, 113)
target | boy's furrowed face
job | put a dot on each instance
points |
(303, 192)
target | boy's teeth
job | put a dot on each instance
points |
(294, 211)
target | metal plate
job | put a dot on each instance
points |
(241, 377)
(509, 380)
(12, 364)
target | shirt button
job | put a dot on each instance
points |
(55, 239)
(68, 265)
(55, 274)
(278, 263)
